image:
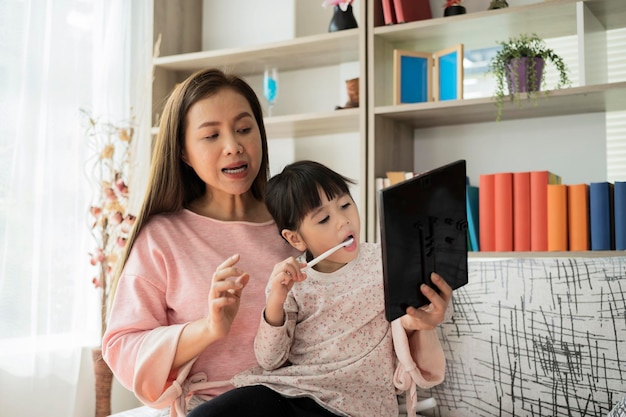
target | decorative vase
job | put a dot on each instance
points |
(522, 77)
(454, 10)
(103, 378)
(498, 4)
(352, 88)
(342, 20)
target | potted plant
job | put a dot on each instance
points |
(520, 64)
(453, 7)
(343, 17)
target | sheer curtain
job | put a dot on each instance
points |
(56, 57)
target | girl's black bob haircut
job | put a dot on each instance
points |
(294, 193)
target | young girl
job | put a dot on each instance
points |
(323, 345)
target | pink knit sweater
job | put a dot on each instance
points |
(165, 285)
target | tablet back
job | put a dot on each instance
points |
(423, 224)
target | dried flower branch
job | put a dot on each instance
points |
(110, 221)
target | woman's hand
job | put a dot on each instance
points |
(227, 285)
(429, 316)
(284, 275)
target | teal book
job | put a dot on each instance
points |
(471, 199)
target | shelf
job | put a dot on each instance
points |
(508, 255)
(576, 100)
(312, 124)
(550, 19)
(311, 51)
(309, 124)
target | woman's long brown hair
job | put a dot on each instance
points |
(172, 184)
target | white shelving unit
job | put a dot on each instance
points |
(386, 132)
(392, 129)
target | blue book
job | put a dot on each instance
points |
(601, 222)
(471, 199)
(619, 192)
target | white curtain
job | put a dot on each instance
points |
(56, 58)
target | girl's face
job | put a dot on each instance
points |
(335, 221)
(223, 143)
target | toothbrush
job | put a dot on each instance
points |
(329, 252)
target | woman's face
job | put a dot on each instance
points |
(223, 143)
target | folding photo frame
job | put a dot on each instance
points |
(421, 77)
(412, 77)
(448, 73)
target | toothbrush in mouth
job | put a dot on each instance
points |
(329, 252)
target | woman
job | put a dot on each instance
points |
(201, 252)
(192, 282)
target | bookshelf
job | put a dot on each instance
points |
(393, 129)
(384, 135)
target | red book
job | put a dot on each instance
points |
(486, 211)
(411, 10)
(557, 217)
(389, 13)
(578, 217)
(503, 216)
(521, 211)
(539, 181)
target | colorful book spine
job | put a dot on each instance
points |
(578, 217)
(601, 216)
(539, 181)
(503, 216)
(557, 217)
(411, 10)
(471, 198)
(389, 14)
(521, 211)
(619, 190)
(486, 211)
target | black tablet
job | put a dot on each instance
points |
(423, 224)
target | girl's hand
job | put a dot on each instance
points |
(429, 316)
(284, 275)
(227, 285)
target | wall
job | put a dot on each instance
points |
(571, 146)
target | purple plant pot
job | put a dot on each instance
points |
(522, 82)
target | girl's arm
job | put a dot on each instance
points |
(273, 341)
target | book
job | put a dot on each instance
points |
(486, 211)
(601, 216)
(411, 10)
(521, 211)
(472, 216)
(557, 217)
(539, 181)
(578, 217)
(399, 176)
(619, 194)
(389, 14)
(503, 214)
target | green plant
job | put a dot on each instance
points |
(524, 46)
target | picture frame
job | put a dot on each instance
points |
(448, 73)
(412, 77)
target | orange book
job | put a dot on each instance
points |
(395, 177)
(557, 217)
(521, 211)
(503, 216)
(578, 216)
(539, 181)
(486, 210)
